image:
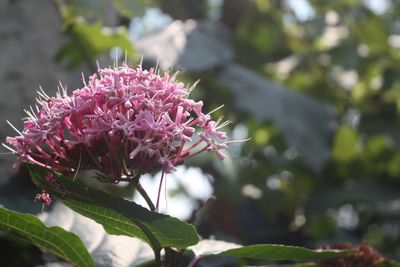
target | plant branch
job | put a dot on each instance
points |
(144, 194)
(194, 262)
(158, 258)
(159, 190)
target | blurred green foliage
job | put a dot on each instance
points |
(88, 41)
(344, 53)
(83, 25)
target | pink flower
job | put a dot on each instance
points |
(44, 198)
(123, 123)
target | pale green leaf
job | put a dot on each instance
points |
(53, 239)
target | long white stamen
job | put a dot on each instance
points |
(30, 115)
(141, 61)
(64, 91)
(83, 79)
(116, 58)
(217, 108)
(41, 96)
(236, 141)
(223, 125)
(156, 69)
(173, 77)
(60, 88)
(31, 108)
(190, 89)
(9, 148)
(79, 166)
(42, 92)
(12, 126)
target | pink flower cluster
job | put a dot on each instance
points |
(122, 123)
(44, 197)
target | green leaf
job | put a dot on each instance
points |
(87, 41)
(267, 252)
(113, 222)
(119, 216)
(212, 247)
(345, 144)
(280, 252)
(53, 239)
(389, 264)
(130, 8)
(84, 8)
(367, 25)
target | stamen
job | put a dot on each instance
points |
(223, 125)
(116, 58)
(141, 61)
(12, 126)
(217, 108)
(173, 77)
(83, 79)
(42, 92)
(9, 148)
(236, 141)
(63, 91)
(42, 96)
(31, 108)
(79, 166)
(30, 115)
(190, 89)
(98, 67)
(156, 68)
(126, 58)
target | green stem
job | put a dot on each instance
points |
(173, 258)
(144, 194)
(158, 258)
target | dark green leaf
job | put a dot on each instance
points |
(113, 222)
(280, 252)
(261, 252)
(390, 264)
(54, 239)
(119, 216)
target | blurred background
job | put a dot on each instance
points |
(314, 84)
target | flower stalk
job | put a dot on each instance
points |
(144, 194)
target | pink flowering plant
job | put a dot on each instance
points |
(121, 124)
